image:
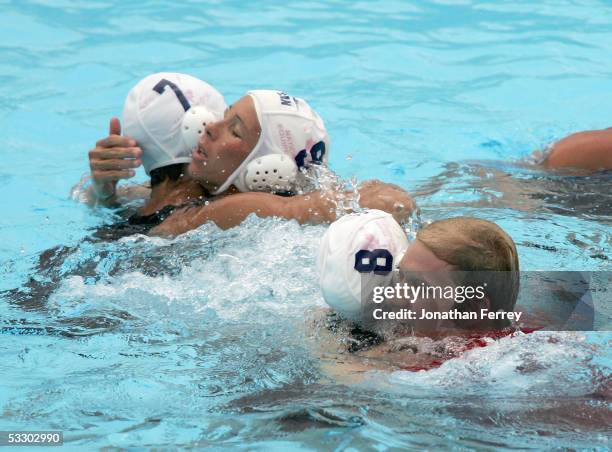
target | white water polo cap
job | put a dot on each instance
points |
(166, 114)
(293, 136)
(357, 246)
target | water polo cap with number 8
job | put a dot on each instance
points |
(354, 247)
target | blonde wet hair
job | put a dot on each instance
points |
(472, 246)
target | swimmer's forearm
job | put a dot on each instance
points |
(312, 208)
(322, 207)
(590, 150)
(232, 210)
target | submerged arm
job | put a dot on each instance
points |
(314, 207)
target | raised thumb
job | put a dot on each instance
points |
(114, 127)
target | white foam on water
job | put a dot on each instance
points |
(263, 266)
(542, 363)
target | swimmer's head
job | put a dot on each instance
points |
(477, 250)
(358, 248)
(261, 143)
(166, 113)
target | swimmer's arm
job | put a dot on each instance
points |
(345, 368)
(231, 210)
(590, 151)
(314, 207)
(353, 368)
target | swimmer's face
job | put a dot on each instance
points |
(225, 144)
(421, 265)
(419, 258)
(419, 261)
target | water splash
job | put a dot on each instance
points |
(343, 194)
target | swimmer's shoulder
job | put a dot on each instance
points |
(582, 153)
(329, 346)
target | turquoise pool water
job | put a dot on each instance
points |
(208, 339)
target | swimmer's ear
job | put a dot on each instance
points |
(114, 127)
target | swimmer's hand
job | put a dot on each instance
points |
(390, 198)
(113, 158)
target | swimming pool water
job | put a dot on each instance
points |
(208, 339)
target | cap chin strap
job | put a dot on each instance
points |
(235, 176)
(398, 259)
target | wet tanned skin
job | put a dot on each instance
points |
(225, 144)
(588, 151)
(419, 258)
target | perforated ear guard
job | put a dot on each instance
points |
(275, 173)
(194, 124)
